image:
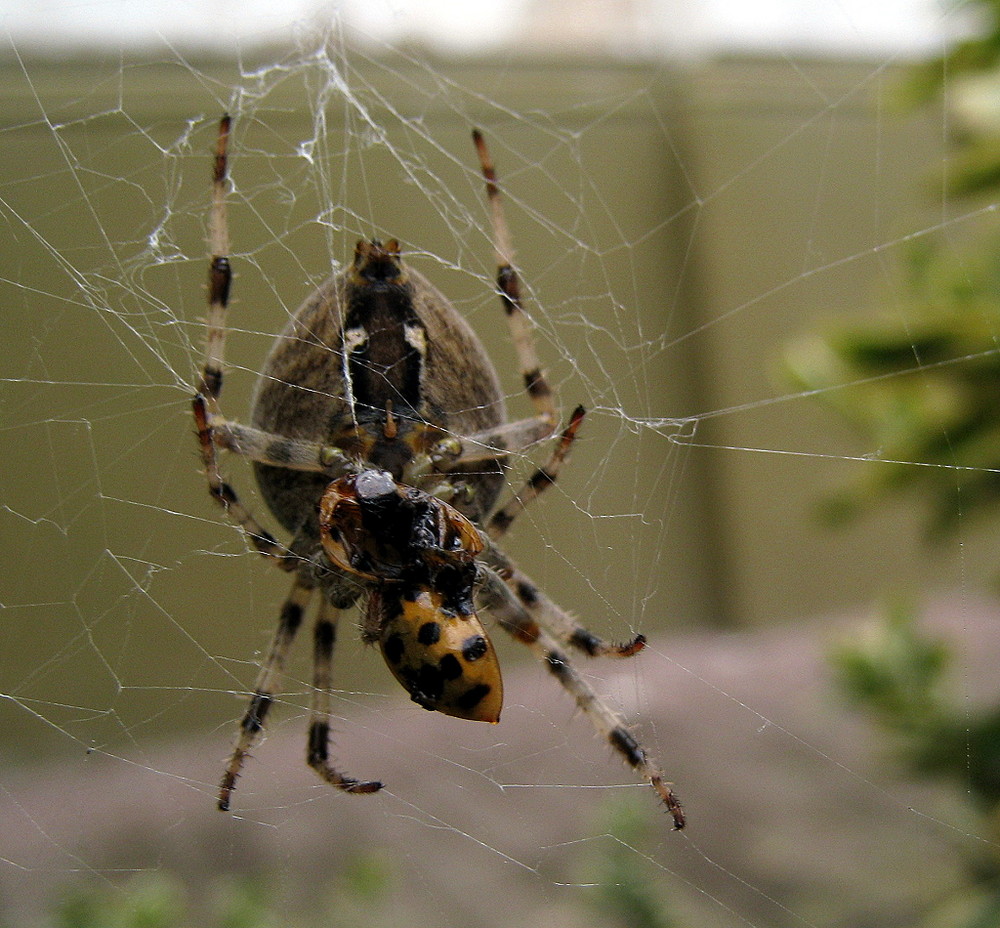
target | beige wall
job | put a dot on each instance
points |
(675, 229)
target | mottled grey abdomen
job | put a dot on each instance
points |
(301, 394)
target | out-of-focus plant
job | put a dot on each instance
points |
(898, 674)
(624, 895)
(358, 895)
(923, 383)
(150, 901)
(922, 386)
(968, 78)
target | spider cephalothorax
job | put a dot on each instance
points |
(380, 440)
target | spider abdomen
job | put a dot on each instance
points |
(363, 340)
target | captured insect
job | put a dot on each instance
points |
(379, 439)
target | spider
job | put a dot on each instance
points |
(379, 440)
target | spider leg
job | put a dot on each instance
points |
(205, 404)
(538, 482)
(509, 288)
(224, 494)
(219, 273)
(265, 685)
(498, 599)
(496, 444)
(541, 394)
(318, 756)
(538, 605)
(278, 450)
(511, 437)
(545, 611)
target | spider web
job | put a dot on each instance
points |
(663, 278)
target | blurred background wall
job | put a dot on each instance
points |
(677, 229)
(692, 189)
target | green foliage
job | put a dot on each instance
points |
(968, 76)
(895, 673)
(626, 895)
(898, 675)
(923, 389)
(149, 900)
(922, 385)
(357, 895)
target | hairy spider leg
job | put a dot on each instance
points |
(265, 447)
(509, 438)
(509, 288)
(547, 612)
(254, 444)
(538, 605)
(265, 685)
(499, 600)
(541, 395)
(318, 752)
(543, 477)
(205, 403)
(224, 494)
(219, 273)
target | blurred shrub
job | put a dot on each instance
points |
(358, 895)
(922, 388)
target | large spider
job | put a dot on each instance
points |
(379, 441)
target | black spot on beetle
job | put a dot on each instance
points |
(456, 584)
(473, 696)
(429, 684)
(451, 668)
(429, 633)
(393, 649)
(474, 647)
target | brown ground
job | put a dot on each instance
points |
(796, 816)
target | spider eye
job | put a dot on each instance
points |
(377, 263)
